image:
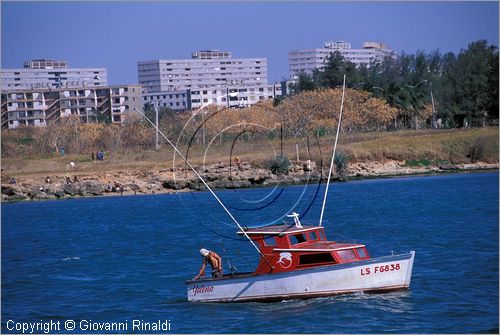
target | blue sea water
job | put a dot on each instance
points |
(118, 259)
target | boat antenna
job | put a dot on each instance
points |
(206, 185)
(333, 156)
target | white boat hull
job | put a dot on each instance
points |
(387, 273)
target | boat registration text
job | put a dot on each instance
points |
(380, 268)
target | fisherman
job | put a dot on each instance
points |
(214, 260)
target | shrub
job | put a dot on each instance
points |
(341, 159)
(418, 162)
(278, 164)
(477, 151)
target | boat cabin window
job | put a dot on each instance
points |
(322, 235)
(361, 253)
(297, 238)
(322, 257)
(269, 241)
(347, 254)
(313, 236)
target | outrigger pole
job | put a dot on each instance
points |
(206, 185)
(333, 156)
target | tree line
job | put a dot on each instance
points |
(463, 87)
(425, 90)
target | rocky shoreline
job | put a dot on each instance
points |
(218, 176)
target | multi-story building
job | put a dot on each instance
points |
(39, 107)
(209, 76)
(178, 101)
(43, 73)
(231, 97)
(308, 60)
(205, 69)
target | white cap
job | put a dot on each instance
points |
(204, 252)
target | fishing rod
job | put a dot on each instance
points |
(206, 185)
(333, 156)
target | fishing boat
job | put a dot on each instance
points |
(298, 262)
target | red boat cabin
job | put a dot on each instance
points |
(295, 247)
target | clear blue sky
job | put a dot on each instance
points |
(116, 35)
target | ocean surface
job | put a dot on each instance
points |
(119, 259)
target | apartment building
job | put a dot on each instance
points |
(39, 107)
(231, 97)
(205, 69)
(307, 60)
(45, 73)
(209, 76)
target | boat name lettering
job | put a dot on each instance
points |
(202, 289)
(380, 268)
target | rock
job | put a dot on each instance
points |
(11, 190)
(60, 194)
(16, 197)
(36, 194)
(8, 190)
(195, 185)
(91, 187)
(71, 189)
(448, 167)
(309, 166)
(241, 184)
(177, 184)
(210, 176)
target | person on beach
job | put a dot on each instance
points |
(214, 260)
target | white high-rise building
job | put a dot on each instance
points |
(43, 73)
(205, 69)
(307, 60)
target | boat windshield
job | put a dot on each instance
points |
(361, 252)
(347, 254)
(269, 241)
(297, 238)
(313, 236)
